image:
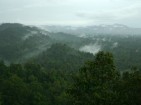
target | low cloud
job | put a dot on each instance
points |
(91, 48)
(115, 45)
(78, 12)
(112, 15)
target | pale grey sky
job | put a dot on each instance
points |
(71, 12)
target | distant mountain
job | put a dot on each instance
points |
(18, 43)
(115, 29)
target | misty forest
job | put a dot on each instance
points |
(64, 65)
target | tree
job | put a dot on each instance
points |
(130, 88)
(3, 68)
(94, 85)
(14, 91)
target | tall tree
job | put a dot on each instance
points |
(130, 88)
(94, 84)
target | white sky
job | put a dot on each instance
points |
(71, 12)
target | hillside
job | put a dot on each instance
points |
(18, 42)
(63, 58)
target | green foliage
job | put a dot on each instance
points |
(14, 91)
(31, 84)
(126, 50)
(19, 42)
(97, 82)
(130, 88)
(94, 84)
(58, 76)
(62, 57)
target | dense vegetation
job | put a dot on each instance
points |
(18, 43)
(97, 82)
(63, 58)
(48, 69)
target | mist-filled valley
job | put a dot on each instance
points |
(20, 43)
(68, 65)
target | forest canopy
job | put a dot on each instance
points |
(97, 82)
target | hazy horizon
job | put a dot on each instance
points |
(71, 12)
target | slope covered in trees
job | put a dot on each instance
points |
(97, 82)
(18, 42)
(62, 57)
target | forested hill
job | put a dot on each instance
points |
(64, 69)
(97, 82)
(62, 57)
(18, 42)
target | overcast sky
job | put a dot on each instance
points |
(71, 12)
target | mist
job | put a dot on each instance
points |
(91, 48)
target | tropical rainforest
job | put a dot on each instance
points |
(39, 67)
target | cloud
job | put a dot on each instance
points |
(81, 12)
(91, 48)
(111, 15)
(115, 45)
